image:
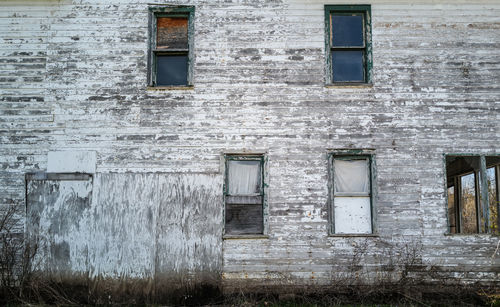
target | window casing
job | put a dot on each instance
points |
(244, 195)
(472, 184)
(348, 44)
(170, 46)
(351, 205)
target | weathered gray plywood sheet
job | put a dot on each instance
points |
(58, 215)
(131, 226)
(123, 228)
(189, 225)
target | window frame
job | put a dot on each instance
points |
(352, 154)
(365, 11)
(155, 12)
(262, 158)
(482, 201)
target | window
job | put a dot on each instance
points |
(244, 194)
(171, 47)
(348, 44)
(351, 191)
(472, 183)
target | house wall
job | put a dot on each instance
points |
(73, 78)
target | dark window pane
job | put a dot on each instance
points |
(172, 33)
(347, 66)
(244, 219)
(492, 161)
(347, 31)
(171, 69)
(461, 165)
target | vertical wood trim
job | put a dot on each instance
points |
(497, 177)
(330, 207)
(484, 197)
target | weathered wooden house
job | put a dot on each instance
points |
(250, 143)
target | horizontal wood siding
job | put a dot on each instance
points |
(73, 76)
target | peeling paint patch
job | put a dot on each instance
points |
(71, 161)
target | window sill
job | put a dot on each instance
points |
(349, 85)
(244, 237)
(170, 88)
(447, 234)
(350, 235)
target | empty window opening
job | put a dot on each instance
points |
(472, 190)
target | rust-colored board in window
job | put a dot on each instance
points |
(172, 33)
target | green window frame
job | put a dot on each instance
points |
(244, 213)
(472, 185)
(364, 48)
(156, 53)
(351, 212)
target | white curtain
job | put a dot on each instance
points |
(243, 177)
(351, 176)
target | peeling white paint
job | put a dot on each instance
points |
(74, 80)
(71, 161)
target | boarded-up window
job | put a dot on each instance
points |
(244, 195)
(352, 195)
(170, 46)
(472, 183)
(172, 33)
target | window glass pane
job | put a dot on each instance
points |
(347, 66)
(452, 219)
(351, 176)
(244, 219)
(172, 33)
(493, 197)
(171, 69)
(468, 204)
(243, 177)
(352, 215)
(347, 31)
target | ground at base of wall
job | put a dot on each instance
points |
(372, 295)
(50, 292)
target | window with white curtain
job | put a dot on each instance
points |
(351, 205)
(244, 195)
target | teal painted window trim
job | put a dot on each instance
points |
(262, 158)
(169, 11)
(352, 154)
(481, 192)
(365, 11)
